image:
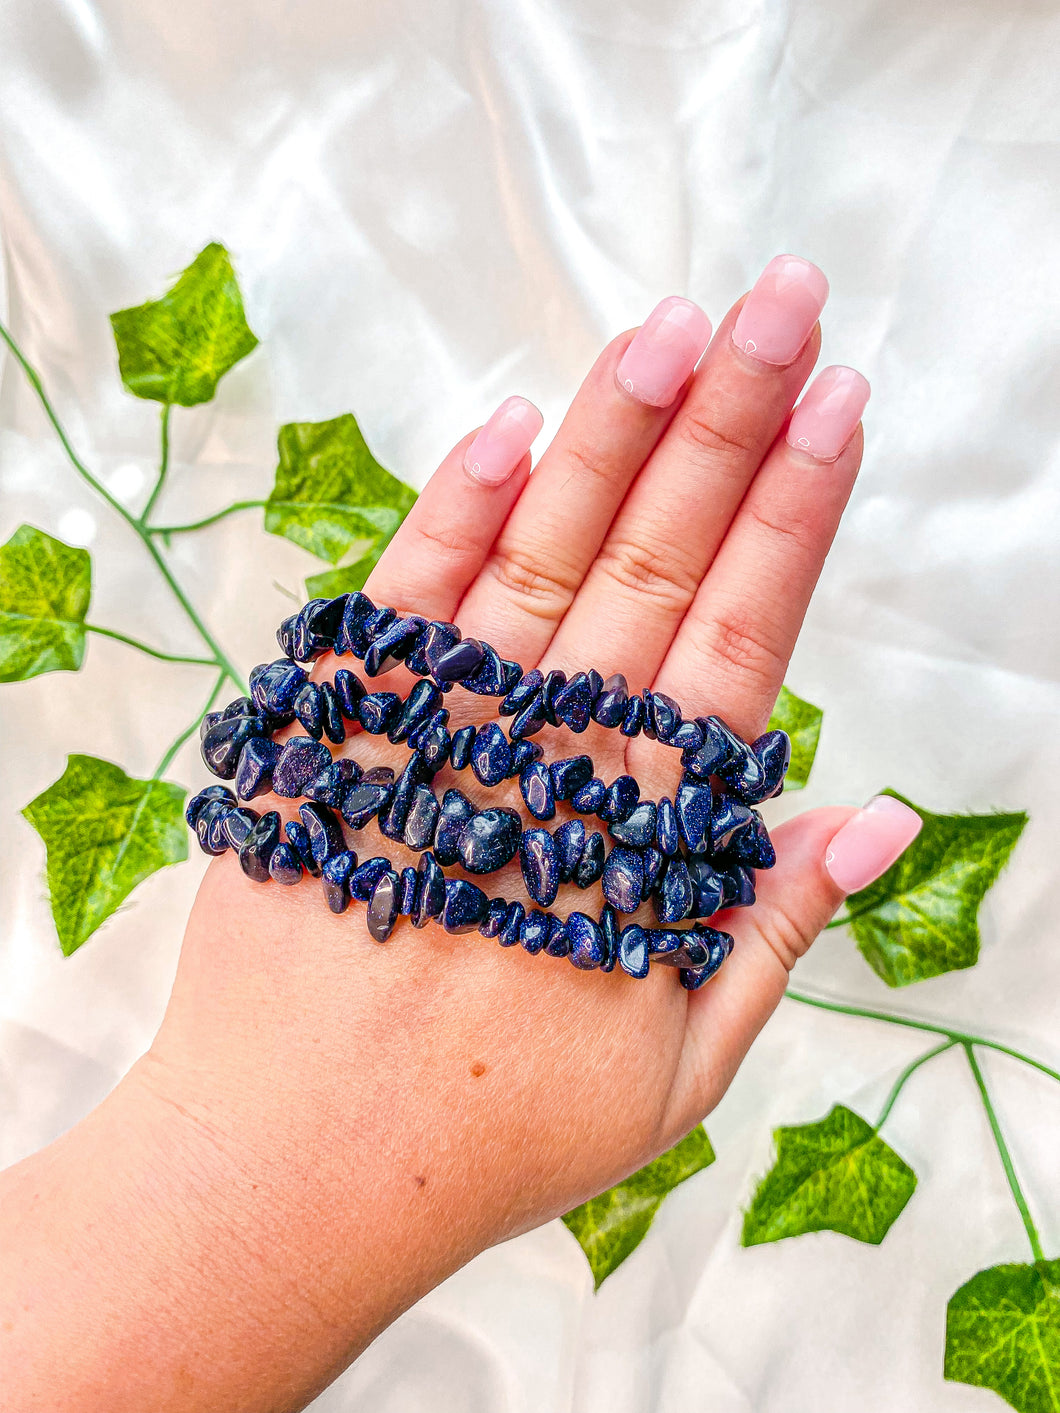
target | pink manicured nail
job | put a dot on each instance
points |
(869, 843)
(503, 441)
(779, 314)
(667, 346)
(828, 414)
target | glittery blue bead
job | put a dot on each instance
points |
(422, 818)
(431, 897)
(568, 776)
(352, 636)
(648, 724)
(570, 843)
(420, 705)
(365, 876)
(730, 888)
(745, 886)
(623, 879)
(665, 945)
(392, 819)
(491, 924)
(299, 840)
(457, 809)
(590, 797)
(489, 840)
(300, 760)
(694, 807)
(687, 737)
(487, 680)
(633, 951)
(745, 776)
(609, 932)
(540, 865)
(209, 826)
(574, 702)
(510, 927)
(587, 946)
(596, 683)
(525, 690)
(324, 830)
(349, 689)
(334, 880)
(729, 817)
(378, 711)
(257, 848)
(491, 755)
(334, 782)
(465, 906)
(242, 706)
(653, 867)
(210, 719)
(716, 750)
(383, 908)
(529, 719)
(753, 846)
(276, 685)
(433, 740)
(393, 645)
(667, 716)
(237, 825)
(673, 894)
(331, 714)
(511, 671)
(621, 799)
(609, 707)
(434, 642)
(408, 887)
(523, 753)
(363, 802)
(553, 684)
(459, 661)
(323, 621)
(533, 933)
(377, 623)
(558, 943)
(309, 709)
(285, 866)
(536, 785)
(667, 835)
(460, 749)
(708, 892)
(223, 743)
(198, 802)
(638, 828)
(591, 864)
(774, 752)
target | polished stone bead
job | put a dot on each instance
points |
(524, 691)
(708, 892)
(459, 661)
(209, 826)
(334, 782)
(457, 809)
(487, 680)
(465, 906)
(573, 704)
(257, 847)
(489, 840)
(697, 947)
(511, 671)
(378, 711)
(365, 876)
(596, 683)
(491, 755)
(609, 932)
(536, 785)
(392, 820)
(276, 685)
(223, 743)
(331, 714)
(324, 830)
(774, 751)
(621, 799)
(420, 705)
(673, 948)
(431, 896)
(753, 846)
(393, 645)
(533, 933)
(352, 636)
(300, 760)
(729, 817)
(408, 887)
(285, 866)
(673, 895)
(730, 888)
(299, 637)
(377, 623)
(309, 709)
(540, 865)
(717, 748)
(434, 642)
(433, 740)
(694, 807)
(460, 747)
(286, 635)
(667, 834)
(568, 776)
(378, 775)
(654, 862)
(744, 879)
(242, 706)
(638, 828)
(363, 802)
(523, 753)
(570, 844)
(633, 951)
(323, 621)
(558, 941)
(609, 705)
(237, 825)
(491, 924)
(529, 719)
(687, 737)
(349, 689)
(591, 864)
(623, 879)
(553, 684)
(590, 797)
(210, 719)
(299, 840)
(422, 818)
(667, 716)
(587, 946)
(510, 927)
(335, 879)
(648, 725)
(383, 908)
(745, 776)
(198, 802)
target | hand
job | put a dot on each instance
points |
(365, 1119)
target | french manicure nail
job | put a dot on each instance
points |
(870, 841)
(828, 414)
(503, 441)
(779, 314)
(664, 351)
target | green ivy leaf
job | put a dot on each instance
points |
(919, 919)
(177, 348)
(802, 721)
(105, 833)
(833, 1175)
(45, 587)
(346, 580)
(613, 1225)
(1003, 1333)
(330, 492)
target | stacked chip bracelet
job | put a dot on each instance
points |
(691, 856)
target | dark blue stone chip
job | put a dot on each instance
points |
(408, 888)
(363, 802)
(285, 866)
(633, 951)
(378, 711)
(349, 689)
(365, 876)
(257, 848)
(431, 898)
(558, 943)
(570, 844)
(540, 865)
(198, 802)
(352, 635)
(465, 906)
(609, 707)
(525, 690)
(334, 880)
(590, 797)
(460, 749)
(459, 661)
(623, 879)
(276, 685)
(491, 924)
(573, 703)
(488, 678)
(638, 828)
(569, 776)
(237, 825)
(223, 743)
(324, 830)
(591, 864)
(533, 933)
(587, 946)
(309, 709)
(393, 644)
(621, 799)
(667, 835)
(300, 760)
(491, 755)
(457, 809)
(299, 841)
(383, 908)
(694, 807)
(512, 925)
(489, 840)
(422, 818)
(673, 896)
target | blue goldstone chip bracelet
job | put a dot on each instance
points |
(690, 856)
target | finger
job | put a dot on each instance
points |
(732, 649)
(442, 543)
(668, 530)
(821, 857)
(555, 530)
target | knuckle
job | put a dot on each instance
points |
(455, 547)
(590, 463)
(787, 936)
(710, 434)
(794, 531)
(734, 639)
(542, 589)
(659, 573)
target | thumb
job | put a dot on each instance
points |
(821, 857)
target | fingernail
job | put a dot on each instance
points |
(829, 413)
(779, 314)
(869, 843)
(665, 350)
(503, 442)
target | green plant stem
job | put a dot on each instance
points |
(143, 647)
(163, 467)
(959, 1037)
(909, 1070)
(1005, 1156)
(167, 530)
(145, 535)
(164, 763)
(851, 915)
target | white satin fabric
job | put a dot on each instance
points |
(433, 206)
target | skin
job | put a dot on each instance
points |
(324, 1128)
